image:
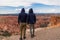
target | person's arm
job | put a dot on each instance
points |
(19, 19)
(35, 18)
(27, 19)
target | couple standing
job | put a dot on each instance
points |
(23, 20)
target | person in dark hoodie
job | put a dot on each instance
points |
(31, 19)
(22, 22)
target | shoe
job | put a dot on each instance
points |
(20, 39)
(24, 37)
(32, 36)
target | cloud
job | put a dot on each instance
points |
(9, 11)
(14, 3)
(50, 10)
(47, 2)
(43, 8)
(28, 2)
(47, 10)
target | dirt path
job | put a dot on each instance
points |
(43, 34)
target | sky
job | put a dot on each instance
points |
(39, 6)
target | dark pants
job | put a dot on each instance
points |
(32, 29)
(22, 29)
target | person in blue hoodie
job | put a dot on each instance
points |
(22, 22)
(31, 19)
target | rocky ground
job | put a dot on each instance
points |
(40, 34)
(10, 23)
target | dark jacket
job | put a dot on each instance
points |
(22, 16)
(31, 18)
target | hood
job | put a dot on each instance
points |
(22, 10)
(30, 11)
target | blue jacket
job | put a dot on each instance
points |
(31, 18)
(22, 17)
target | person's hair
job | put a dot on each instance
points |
(30, 10)
(22, 10)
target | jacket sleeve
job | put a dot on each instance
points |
(35, 18)
(27, 19)
(19, 18)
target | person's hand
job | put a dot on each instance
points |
(27, 25)
(18, 24)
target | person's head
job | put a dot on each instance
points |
(30, 10)
(22, 10)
